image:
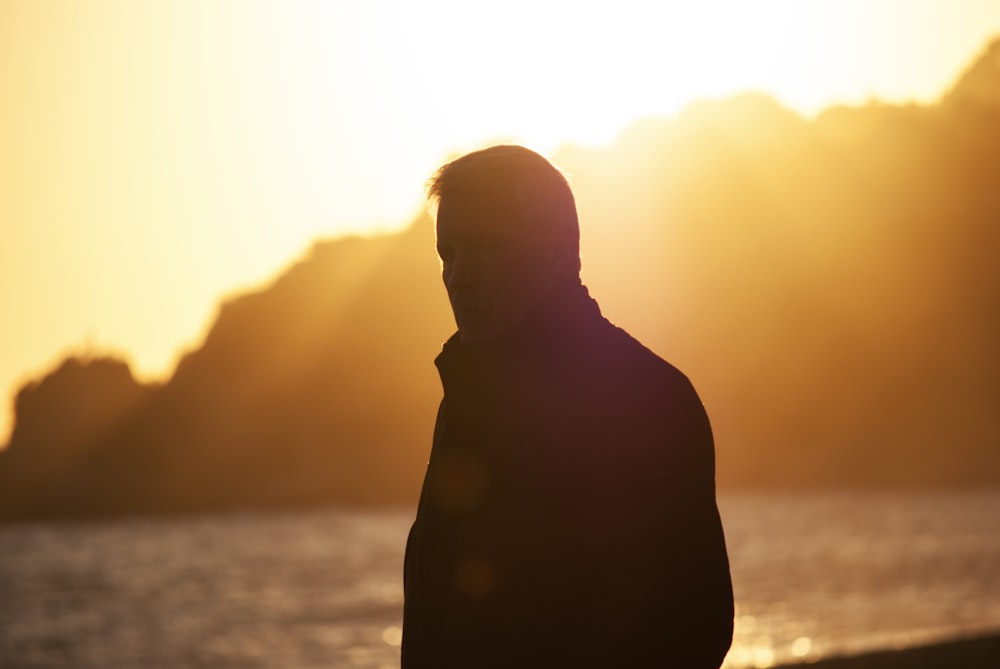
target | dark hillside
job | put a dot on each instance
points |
(829, 285)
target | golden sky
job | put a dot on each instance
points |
(157, 155)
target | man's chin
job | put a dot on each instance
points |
(473, 336)
(473, 330)
(475, 333)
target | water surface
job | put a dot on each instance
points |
(814, 575)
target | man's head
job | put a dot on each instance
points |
(508, 236)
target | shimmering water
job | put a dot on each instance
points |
(814, 575)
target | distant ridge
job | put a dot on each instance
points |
(830, 286)
(980, 83)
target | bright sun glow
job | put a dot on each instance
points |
(161, 154)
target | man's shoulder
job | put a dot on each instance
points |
(635, 358)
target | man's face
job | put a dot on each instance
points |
(495, 266)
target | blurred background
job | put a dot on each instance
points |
(220, 296)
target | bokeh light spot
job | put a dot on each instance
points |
(392, 636)
(801, 646)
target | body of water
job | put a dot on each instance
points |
(814, 575)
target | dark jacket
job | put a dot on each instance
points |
(568, 514)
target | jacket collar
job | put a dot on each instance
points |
(570, 312)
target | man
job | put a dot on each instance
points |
(568, 514)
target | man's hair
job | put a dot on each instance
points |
(517, 176)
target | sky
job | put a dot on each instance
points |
(157, 156)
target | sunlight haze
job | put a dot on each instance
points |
(159, 156)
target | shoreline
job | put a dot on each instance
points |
(966, 653)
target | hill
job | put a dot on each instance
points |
(828, 284)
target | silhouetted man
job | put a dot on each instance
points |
(568, 514)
